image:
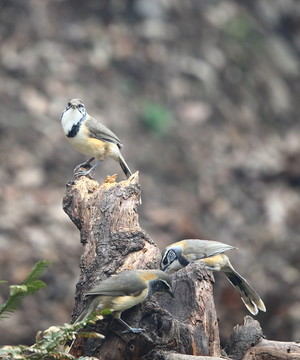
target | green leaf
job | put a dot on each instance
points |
(90, 334)
(105, 312)
(17, 292)
(15, 289)
(50, 342)
(37, 271)
(35, 285)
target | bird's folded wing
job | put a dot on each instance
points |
(101, 132)
(116, 286)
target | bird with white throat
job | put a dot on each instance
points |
(90, 137)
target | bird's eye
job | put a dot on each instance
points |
(169, 257)
(69, 104)
(80, 105)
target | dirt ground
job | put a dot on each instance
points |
(204, 96)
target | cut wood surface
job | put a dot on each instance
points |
(107, 218)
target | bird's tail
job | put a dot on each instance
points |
(124, 166)
(249, 296)
(87, 310)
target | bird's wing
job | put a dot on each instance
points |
(101, 132)
(206, 248)
(118, 285)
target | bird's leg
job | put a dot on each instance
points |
(129, 328)
(87, 164)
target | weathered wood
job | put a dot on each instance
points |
(243, 337)
(194, 309)
(112, 239)
(247, 343)
(275, 350)
(162, 355)
(106, 216)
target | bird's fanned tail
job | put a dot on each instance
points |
(249, 296)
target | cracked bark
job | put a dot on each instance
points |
(185, 328)
(107, 218)
(248, 343)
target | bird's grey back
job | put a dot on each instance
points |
(126, 283)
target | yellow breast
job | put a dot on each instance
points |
(122, 303)
(87, 145)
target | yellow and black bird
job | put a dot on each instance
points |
(123, 291)
(181, 253)
(90, 137)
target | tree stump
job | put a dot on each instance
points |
(107, 218)
(248, 343)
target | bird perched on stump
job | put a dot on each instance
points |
(123, 291)
(90, 137)
(180, 254)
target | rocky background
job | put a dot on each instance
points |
(204, 95)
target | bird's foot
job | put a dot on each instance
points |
(86, 165)
(133, 330)
(80, 173)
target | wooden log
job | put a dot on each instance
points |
(107, 218)
(275, 350)
(162, 355)
(247, 343)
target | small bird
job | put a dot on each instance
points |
(180, 254)
(123, 291)
(90, 137)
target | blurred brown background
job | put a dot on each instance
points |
(205, 97)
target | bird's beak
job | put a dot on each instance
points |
(170, 292)
(164, 269)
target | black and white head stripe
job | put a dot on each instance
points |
(81, 108)
(169, 257)
(172, 258)
(159, 285)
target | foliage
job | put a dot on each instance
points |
(50, 344)
(29, 286)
